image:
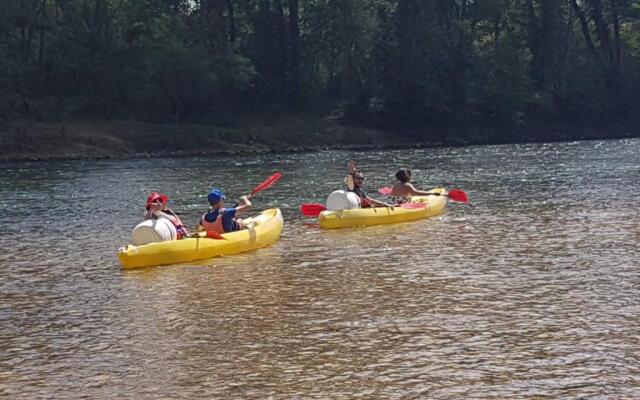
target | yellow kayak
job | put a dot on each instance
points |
(434, 205)
(263, 230)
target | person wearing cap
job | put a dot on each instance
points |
(157, 208)
(219, 219)
(355, 179)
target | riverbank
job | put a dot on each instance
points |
(112, 139)
(100, 139)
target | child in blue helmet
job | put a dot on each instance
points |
(219, 219)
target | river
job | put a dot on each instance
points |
(532, 290)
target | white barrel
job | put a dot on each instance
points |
(342, 200)
(153, 230)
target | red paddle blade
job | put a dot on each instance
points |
(214, 235)
(312, 210)
(385, 191)
(267, 183)
(411, 206)
(458, 195)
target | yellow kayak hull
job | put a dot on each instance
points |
(384, 215)
(263, 230)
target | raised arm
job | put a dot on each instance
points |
(245, 204)
(351, 169)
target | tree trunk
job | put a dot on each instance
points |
(610, 65)
(602, 29)
(294, 59)
(534, 43)
(616, 32)
(621, 104)
(496, 29)
(178, 106)
(215, 25)
(232, 22)
(584, 25)
(281, 40)
(41, 46)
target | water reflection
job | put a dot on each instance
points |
(531, 291)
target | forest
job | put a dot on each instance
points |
(416, 67)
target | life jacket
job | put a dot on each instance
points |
(180, 229)
(217, 226)
(363, 200)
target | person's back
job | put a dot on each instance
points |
(220, 219)
(403, 189)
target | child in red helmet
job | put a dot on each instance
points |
(156, 208)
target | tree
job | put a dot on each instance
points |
(181, 73)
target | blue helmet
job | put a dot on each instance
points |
(215, 195)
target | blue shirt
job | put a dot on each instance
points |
(228, 222)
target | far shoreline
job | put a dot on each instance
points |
(130, 139)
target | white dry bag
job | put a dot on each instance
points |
(342, 200)
(153, 230)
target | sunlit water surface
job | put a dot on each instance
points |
(530, 291)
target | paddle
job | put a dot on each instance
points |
(267, 183)
(314, 209)
(453, 194)
(208, 235)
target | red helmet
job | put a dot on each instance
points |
(156, 196)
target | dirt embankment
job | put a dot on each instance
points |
(93, 139)
(86, 139)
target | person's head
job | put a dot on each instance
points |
(358, 178)
(403, 175)
(156, 198)
(215, 197)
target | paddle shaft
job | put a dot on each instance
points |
(314, 209)
(453, 194)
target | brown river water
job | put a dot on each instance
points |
(531, 291)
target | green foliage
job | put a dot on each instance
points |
(395, 63)
(630, 33)
(500, 84)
